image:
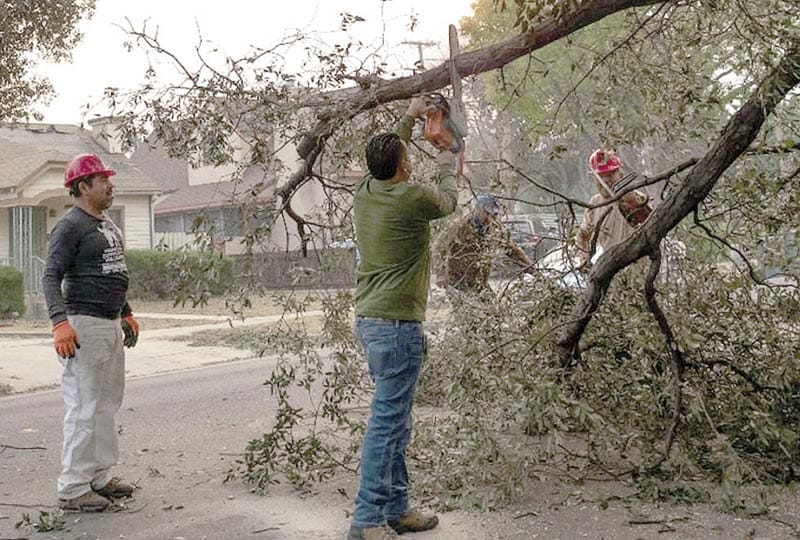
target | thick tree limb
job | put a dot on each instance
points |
(342, 105)
(734, 140)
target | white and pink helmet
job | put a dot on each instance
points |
(604, 161)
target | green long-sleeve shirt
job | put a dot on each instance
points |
(392, 222)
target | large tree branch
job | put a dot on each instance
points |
(342, 105)
(734, 140)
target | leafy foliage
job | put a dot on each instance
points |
(316, 382)
(652, 82)
(47, 522)
(31, 30)
(656, 82)
(496, 410)
(160, 274)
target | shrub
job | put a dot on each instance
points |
(12, 292)
(158, 274)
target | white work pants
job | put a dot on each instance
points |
(92, 384)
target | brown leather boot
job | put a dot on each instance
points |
(116, 489)
(372, 533)
(414, 521)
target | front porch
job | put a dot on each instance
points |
(23, 245)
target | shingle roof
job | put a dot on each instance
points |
(170, 173)
(25, 148)
(213, 195)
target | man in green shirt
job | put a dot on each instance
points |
(392, 222)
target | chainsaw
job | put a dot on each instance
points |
(634, 205)
(445, 121)
(440, 129)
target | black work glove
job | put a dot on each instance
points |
(131, 334)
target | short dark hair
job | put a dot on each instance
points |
(384, 153)
(75, 186)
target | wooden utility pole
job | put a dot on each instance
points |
(420, 64)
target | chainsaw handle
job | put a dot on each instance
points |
(417, 108)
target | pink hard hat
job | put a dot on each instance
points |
(84, 165)
(604, 161)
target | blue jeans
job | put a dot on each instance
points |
(394, 352)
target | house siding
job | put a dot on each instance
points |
(5, 244)
(210, 175)
(136, 217)
(52, 178)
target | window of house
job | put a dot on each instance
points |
(231, 221)
(169, 223)
(226, 221)
(117, 215)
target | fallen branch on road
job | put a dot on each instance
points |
(4, 446)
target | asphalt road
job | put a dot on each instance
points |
(180, 434)
(182, 431)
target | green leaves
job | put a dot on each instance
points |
(31, 31)
(46, 522)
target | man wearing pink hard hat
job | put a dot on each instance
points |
(614, 222)
(85, 285)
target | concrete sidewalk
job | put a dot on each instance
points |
(28, 361)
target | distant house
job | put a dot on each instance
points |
(33, 197)
(188, 193)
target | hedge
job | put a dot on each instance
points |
(160, 274)
(12, 293)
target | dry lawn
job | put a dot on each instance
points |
(215, 306)
(261, 306)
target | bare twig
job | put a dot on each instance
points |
(757, 386)
(666, 521)
(702, 226)
(11, 447)
(17, 505)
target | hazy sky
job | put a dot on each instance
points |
(101, 60)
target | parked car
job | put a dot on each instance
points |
(561, 264)
(530, 233)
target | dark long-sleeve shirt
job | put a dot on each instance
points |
(86, 272)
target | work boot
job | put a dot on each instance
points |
(88, 502)
(116, 489)
(372, 533)
(414, 521)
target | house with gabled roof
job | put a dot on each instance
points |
(33, 197)
(220, 195)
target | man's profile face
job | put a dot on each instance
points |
(100, 194)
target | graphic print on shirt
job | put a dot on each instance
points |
(113, 255)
